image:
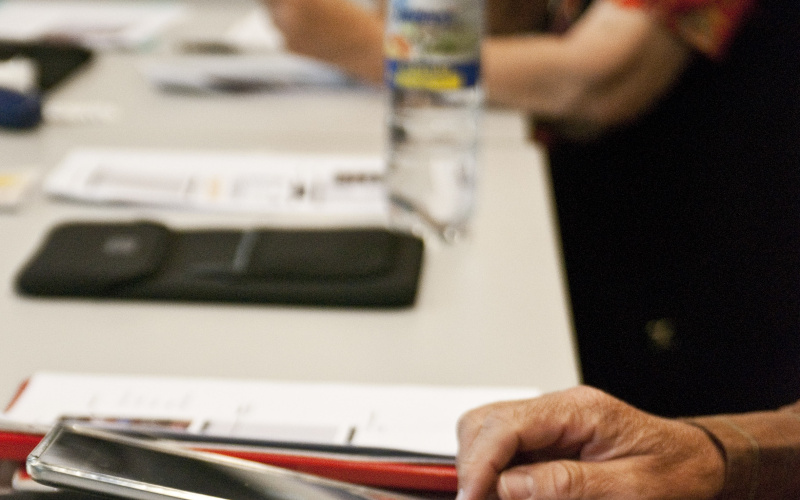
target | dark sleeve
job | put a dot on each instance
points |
(762, 453)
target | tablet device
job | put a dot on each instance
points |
(102, 462)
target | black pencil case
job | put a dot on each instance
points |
(369, 267)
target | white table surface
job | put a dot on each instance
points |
(490, 311)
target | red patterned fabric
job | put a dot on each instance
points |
(708, 25)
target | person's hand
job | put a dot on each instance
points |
(338, 32)
(581, 444)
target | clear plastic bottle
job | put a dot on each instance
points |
(432, 69)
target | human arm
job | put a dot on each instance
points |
(350, 36)
(608, 68)
(338, 32)
(582, 443)
(762, 452)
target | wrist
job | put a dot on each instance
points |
(715, 457)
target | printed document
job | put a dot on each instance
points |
(260, 183)
(413, 418)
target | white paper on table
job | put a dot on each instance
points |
(255, 32)
(15, 185)
(303, 184)
(97, 25)
(416, 418)
(248, 56)
(241, 72)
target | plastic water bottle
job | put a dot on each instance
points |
(432, 52)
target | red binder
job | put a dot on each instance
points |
(384, 474)
(369, 469)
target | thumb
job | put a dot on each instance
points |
(564, 480)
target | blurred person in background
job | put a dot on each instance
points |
(673, 132)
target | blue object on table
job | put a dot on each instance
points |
(19, 110)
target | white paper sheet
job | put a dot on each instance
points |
(406, 417)
(98, 25)
(238, 72)
(15, 185)
(301, 184)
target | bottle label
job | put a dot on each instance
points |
(433, 44)
(435, 77)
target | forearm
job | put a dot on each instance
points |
(356, 35)
(338, 32)
(762, 453)
(528, 72)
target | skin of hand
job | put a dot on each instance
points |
(583, 444)
(338, 32)
(611, 66)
